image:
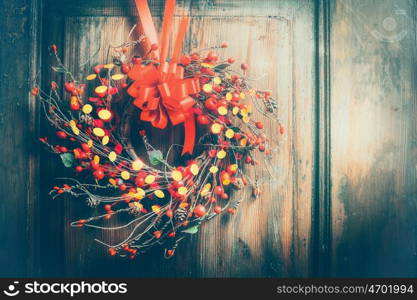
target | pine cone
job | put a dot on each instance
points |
(180, 214)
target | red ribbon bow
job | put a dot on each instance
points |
(161, 92)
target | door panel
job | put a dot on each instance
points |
(270, 236)
(342, 197)
(373, 137)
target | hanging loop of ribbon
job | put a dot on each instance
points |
(160, 90)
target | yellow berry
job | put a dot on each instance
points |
(125, 175)
(214, 169)
(194, 169)
(182, 190)
(87, 108)
(137, 165)
(229, 133)
(160, 194)
(112, 156)
(207, 88)
(149, 179)
(98, 132)
(105, 140)
(221, 154)
(176, 175)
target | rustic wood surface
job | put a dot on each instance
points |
(343, 198)
(19, 63)
(373, 138)
(269, 236)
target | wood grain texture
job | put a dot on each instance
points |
(269, 237)
(373, 138)
(342, 201)
(19, 62)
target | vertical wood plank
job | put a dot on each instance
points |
(19, 61)
(269, 236)
(373, 134)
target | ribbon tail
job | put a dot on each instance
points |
(180, 38)
(166, 28)
(146, 25)
(189, 135)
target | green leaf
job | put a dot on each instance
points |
(220, 67)
(191, 230)
(67, 159)
(155, 157)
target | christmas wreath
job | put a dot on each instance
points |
(164, 202)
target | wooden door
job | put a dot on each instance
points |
(268, 237)
(341, 201)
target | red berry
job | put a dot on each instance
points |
(140, 181)
(281, 130)
(195, 56)
(125, 68)
(198, 111)
(118, 148)
(211, 103)
(231, 60)
(98, 174)
(212, 153)
(244, 67)
(112, 251)
(157, 234)
(203, 120)
(69, 86)
(170, 252)
(97, 69)
(74, 103)
(225, 45)
(94, 165)
(35, 91)
(185, 60)
(98, 123)
(61, 134)
(78, 169)
(107, 207)
(169, 213)
(217, 209)
(248, 160)
(85, 147)
(212, 56)
(218, 190)
(63, 149)
(225, 196)
(231, 211)
(259, 125)
(199, 211)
